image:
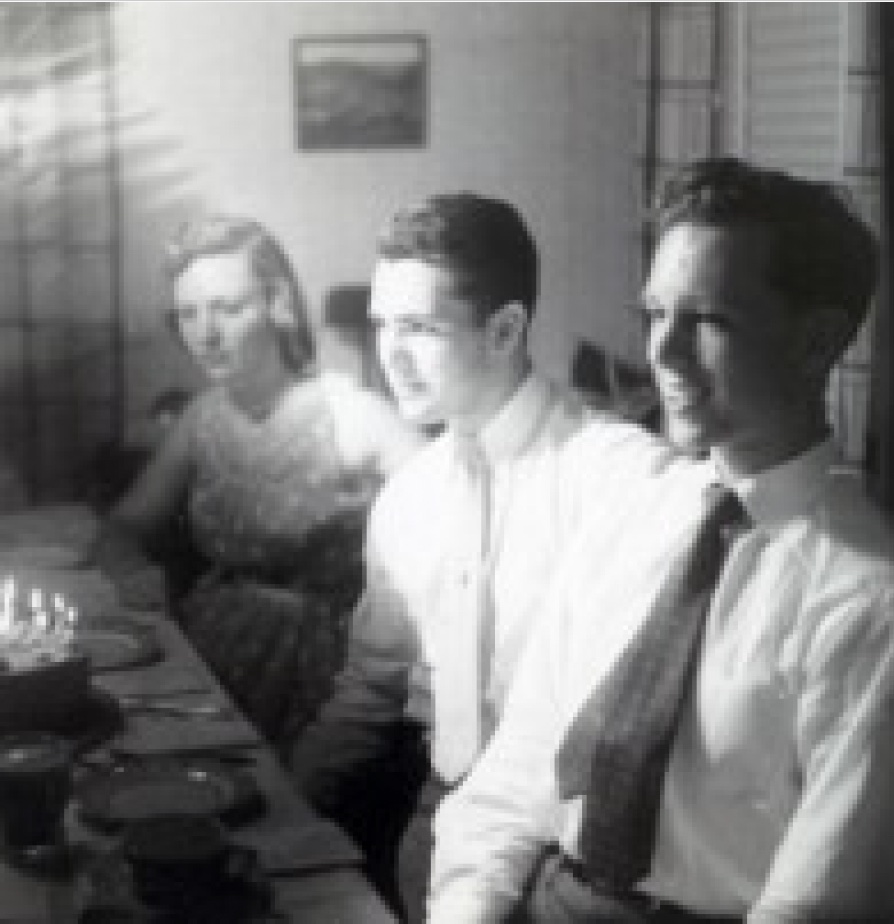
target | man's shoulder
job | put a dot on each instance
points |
(845, 556)
(606, 439)
(855, 532)
(571, 419)
(566, 407)
(417, 478)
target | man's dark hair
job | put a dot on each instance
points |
(484, 242)
(820, 253)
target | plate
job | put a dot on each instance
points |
(165, 786)
(116, 644)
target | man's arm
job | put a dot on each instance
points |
(490, 831)
(353, 729)
(834, 861)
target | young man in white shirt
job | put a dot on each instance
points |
(463, 540)
(777, 802)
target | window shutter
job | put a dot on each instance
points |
(808, 105)
(793, 72)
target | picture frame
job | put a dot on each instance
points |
(360, 92)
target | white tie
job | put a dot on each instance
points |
(462, 715)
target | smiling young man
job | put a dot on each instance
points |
(463, 541)
(772, 765)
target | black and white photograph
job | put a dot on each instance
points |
(446, 462)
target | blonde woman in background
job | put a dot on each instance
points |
(275, 465)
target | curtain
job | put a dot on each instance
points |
(61, 375)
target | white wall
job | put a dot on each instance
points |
(533, 102)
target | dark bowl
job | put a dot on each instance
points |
(175, 855)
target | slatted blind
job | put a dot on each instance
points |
(793, 73)
(808, 104)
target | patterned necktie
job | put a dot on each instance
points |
(625, 730)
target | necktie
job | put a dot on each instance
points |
(462, 712)
(625, 730)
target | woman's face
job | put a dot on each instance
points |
(223, 315)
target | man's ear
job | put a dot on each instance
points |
(507, 328)
(820, 338)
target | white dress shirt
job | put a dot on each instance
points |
(778, 804)
(412, 651)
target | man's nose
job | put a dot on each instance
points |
(671, 341)
(390, 346)
(209, 330)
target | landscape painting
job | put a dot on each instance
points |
(360, 92)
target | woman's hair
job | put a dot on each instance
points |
(223, 234)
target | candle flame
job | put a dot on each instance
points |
(39, 617)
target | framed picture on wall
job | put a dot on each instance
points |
(360, 92)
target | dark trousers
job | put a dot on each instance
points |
(415, 851)
(367, 779)
(558, 894)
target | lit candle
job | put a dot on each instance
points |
(9, 589)
(39, 617)
(58, 614)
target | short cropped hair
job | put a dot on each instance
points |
(215, 234)
(484, 242)
(820, 255)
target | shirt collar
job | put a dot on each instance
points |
(785, 490)
(516, 423)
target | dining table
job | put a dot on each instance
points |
(161, 710)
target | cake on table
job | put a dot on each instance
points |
(43, 680)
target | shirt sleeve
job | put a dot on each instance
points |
(834, 860)
(352, 728)
(382, 647)
(490, 831)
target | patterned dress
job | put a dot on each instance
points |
(278, 506)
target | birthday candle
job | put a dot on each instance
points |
(9, 589)
(58, 614)
(35, 602)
